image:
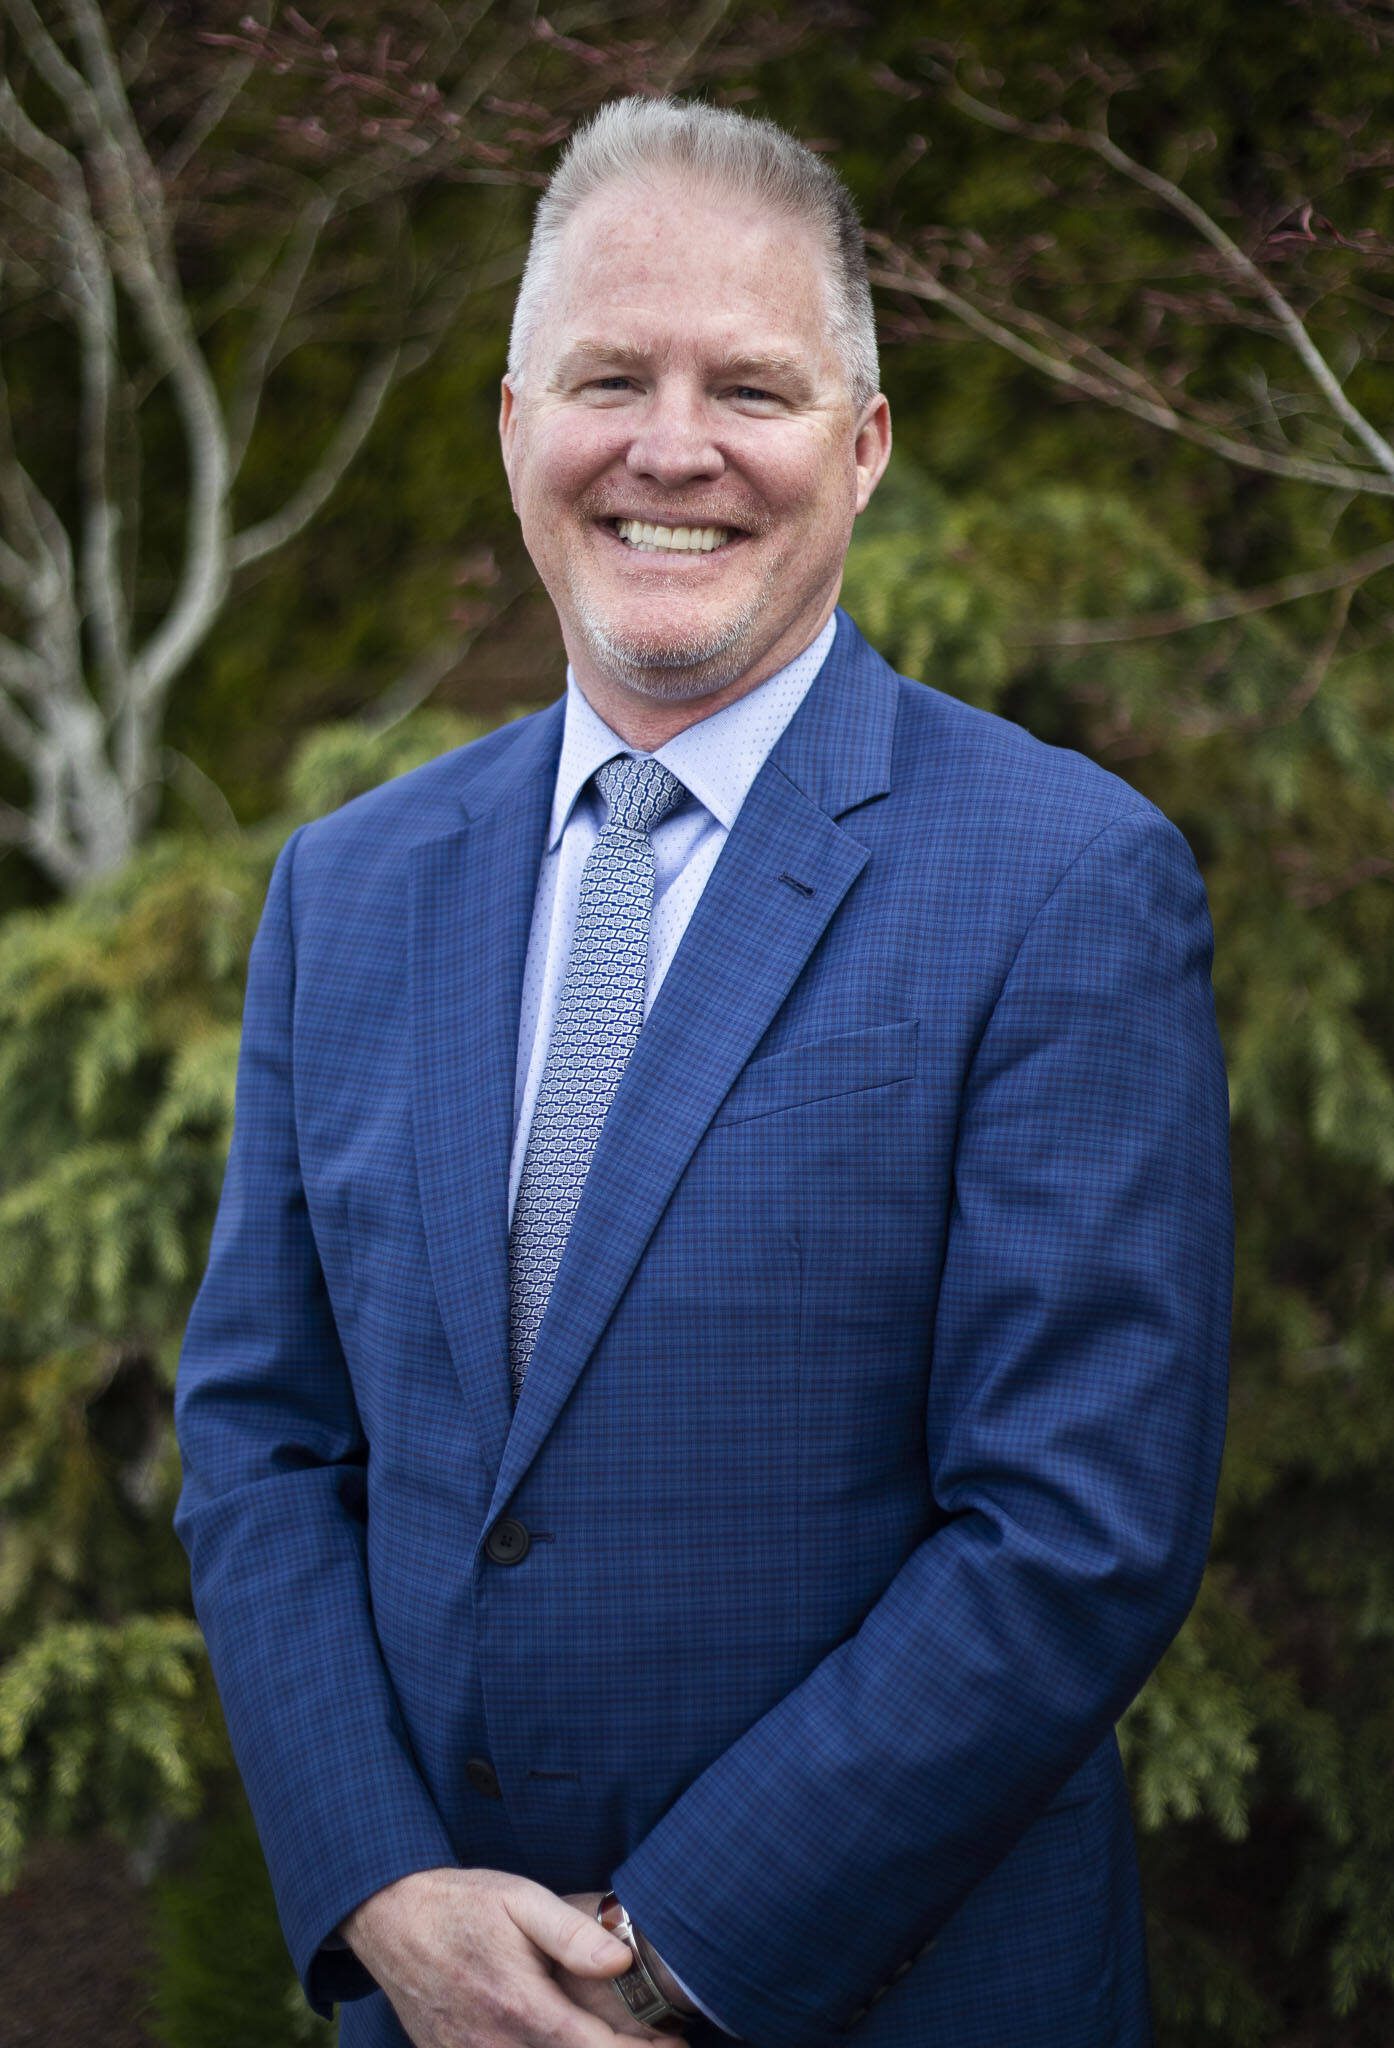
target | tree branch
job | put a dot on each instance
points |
(32, 142)
(1288, 319)
(1246, 455)
(1211, 611)
(275, 308)
(699, 30)
(20, 735)
(49, 580)
(213, 111)
(1098, 141)
(348, 437)
(1205, 726)
(25, 202)
(200, 792)
(63, 80)
(21, 669)
(138, 235)
(15, 573)
(115, 137)
(1313, 895)
(99, 553)
(411, 690)
(94, 219)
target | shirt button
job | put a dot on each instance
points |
(483, 1777)
(508, 1542)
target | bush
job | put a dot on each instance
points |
(222, 1977)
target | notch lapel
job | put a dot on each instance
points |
(750, 937)
(471, 898)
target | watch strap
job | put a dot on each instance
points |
(637, 1987)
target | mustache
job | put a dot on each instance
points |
(734, 520)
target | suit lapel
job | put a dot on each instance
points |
(782, 875)
(471, 898)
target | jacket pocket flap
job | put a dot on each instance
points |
(833, 1066)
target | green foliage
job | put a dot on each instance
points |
(101, 1726)
(222, 1975)
(1260, 1752)
(1206, 1995)
(337, 762)
(1188, 1739)
(1267, 1726)
(951, 587)
(119, 1017)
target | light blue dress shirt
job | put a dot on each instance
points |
(716, 760)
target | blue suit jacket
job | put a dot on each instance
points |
(869, 1446)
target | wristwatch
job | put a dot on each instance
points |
(642, 1998)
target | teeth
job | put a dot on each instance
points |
(674, 539)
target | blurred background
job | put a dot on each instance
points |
(1134, 270)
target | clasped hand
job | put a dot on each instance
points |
(482, 1959)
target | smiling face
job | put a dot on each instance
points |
(683, 453)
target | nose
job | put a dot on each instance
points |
(672, 442)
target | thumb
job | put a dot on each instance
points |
(568, 1936)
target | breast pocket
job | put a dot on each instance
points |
(849, 1064)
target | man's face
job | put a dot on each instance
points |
(682, 379)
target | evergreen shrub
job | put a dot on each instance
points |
(222, 1976)
(1261, 1753)
(119, 1021)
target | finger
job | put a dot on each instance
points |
(568, 1937)
(561, 2024)
(597, 1997)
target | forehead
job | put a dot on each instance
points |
(668, 266)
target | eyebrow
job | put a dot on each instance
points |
(743, 369)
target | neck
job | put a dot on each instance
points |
(646, 722)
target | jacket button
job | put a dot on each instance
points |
(508, 1542)
(483, 1777)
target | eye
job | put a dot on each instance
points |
(614, 383)
(753, 392)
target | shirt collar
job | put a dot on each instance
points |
(717, 759)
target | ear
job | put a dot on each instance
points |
(872, 447)
(508, 429)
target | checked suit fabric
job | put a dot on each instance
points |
(942, 1147)
(599, 1014)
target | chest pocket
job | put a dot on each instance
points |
(845, 1065)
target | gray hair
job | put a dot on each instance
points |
(634, 138)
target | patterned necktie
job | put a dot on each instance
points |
(598, 1015)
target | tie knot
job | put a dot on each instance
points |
(638, 791)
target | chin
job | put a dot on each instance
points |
(666, 664)
(703, 649)
(673, 674)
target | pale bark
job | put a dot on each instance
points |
(82, 699)
(89, 225)
(1073, 359)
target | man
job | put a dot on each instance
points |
(743, 1464)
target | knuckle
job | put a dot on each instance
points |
(578, 1936)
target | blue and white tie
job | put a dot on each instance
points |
(598, 1016)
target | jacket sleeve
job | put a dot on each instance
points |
(1074, 1423)
(272, 1514)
